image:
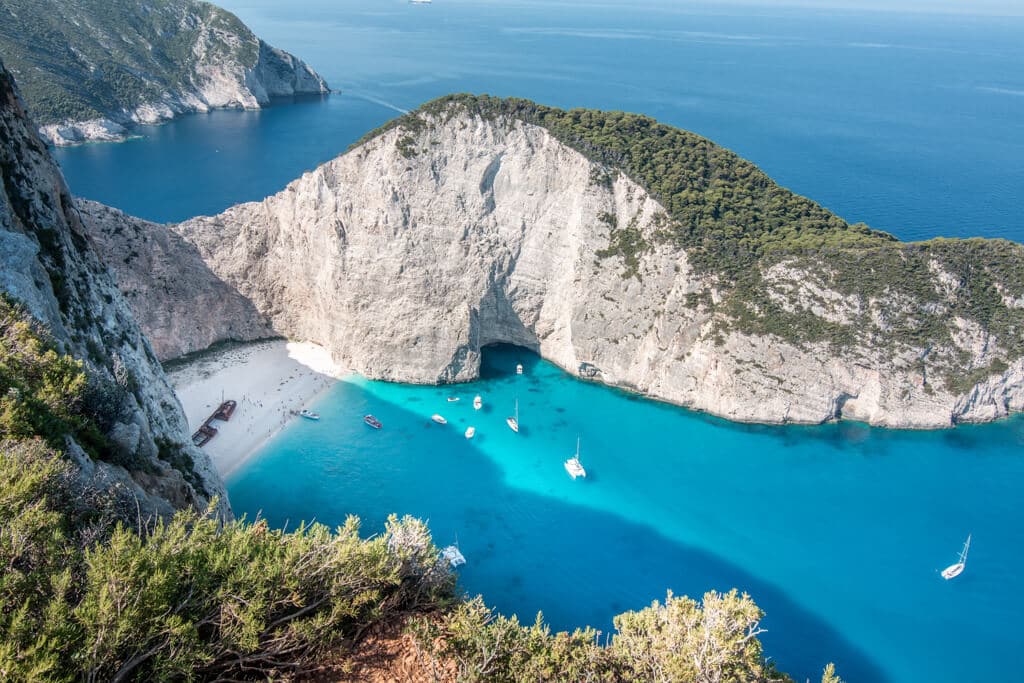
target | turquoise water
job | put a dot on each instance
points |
(838, 532)
(913, 123)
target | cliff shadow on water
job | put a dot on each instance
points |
(532, 545)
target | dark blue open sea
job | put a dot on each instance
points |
(913, 123)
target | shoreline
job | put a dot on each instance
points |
(268, 379)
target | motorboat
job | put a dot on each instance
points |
(438, 419)
(573, 465)
(955, 570)
(519, 369)
(470, 432)
(309, 414)
(372, 421)
(513, 421)
(453, 399)
(453, 556)
(478, 403)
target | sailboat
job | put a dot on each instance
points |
(955, 570)
(573, 465)
(513, 422)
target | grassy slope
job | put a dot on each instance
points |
(92, 58)
(735, 222)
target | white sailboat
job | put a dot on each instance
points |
(513, 422)
(955, 570)
(573, 465)
(478, 403)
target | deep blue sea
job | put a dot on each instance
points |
(913, 123)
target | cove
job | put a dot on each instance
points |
(838, 531)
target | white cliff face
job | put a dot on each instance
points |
(48, 263)
(179, 303)
(408, 254)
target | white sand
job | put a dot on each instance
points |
(267, 379)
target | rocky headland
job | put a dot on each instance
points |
(626, 251)
(92, 71)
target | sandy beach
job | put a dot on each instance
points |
(267, 379)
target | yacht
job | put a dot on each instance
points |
(453, 556)
(309, 414)
(470, 432)
(438, 419)
(573, 465)
(478, 403)
(372, 421)
(955, 570)
(513, 422)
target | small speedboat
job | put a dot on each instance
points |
(438, 419)
(955, 570)
(453, 556)
(519, 369)
(470, 432)
(478, 403)
(573, 465)
(453, 399)
(309, 415)
(372, 421)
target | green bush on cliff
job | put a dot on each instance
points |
(42, 392)
(190, 598)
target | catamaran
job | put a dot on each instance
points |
(478, 403)
(573, 465)
(513, 422)
(955, 570)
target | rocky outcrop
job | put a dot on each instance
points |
(49, 264)
(93, 71)
(411, 252)
(178, 301)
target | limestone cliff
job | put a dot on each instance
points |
(457, 227)
(92, 70)
(48, 263)
(179, 303)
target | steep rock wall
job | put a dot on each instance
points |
(409, 253)
(181, 305)
(48, 263)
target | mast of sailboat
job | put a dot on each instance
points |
(577, 448)
(963, 553)
(517, 411)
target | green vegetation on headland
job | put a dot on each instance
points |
(94, 58)
(90, 592)
(736, 225)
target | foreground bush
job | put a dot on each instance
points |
(192, 598)
(715, 641)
